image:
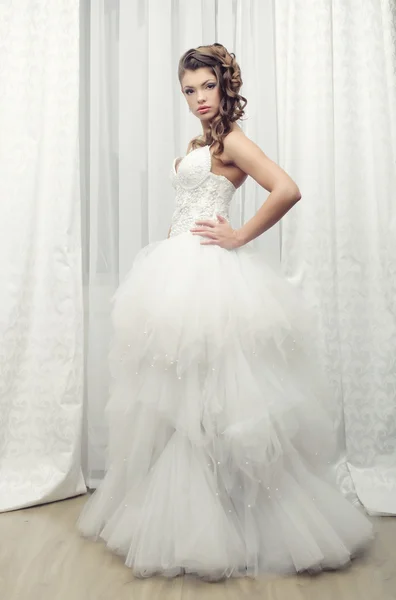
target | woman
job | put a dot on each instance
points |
(220, 431)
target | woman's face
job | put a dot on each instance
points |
(202, 93)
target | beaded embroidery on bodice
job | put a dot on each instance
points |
(200, 194)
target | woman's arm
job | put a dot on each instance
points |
(284, 193)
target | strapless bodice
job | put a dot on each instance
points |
(200, 194)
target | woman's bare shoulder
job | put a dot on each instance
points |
(232, 139)
(235, 135)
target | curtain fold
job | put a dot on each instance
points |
(41, 324)
(337, 109)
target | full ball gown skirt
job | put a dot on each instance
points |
(220, 428)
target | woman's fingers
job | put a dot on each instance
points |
(206, 223)
(210, 234)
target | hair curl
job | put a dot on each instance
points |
(228, 75)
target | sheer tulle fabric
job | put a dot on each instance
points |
(220, 426)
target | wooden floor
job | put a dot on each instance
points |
(42, 557)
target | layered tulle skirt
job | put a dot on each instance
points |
(220, 427)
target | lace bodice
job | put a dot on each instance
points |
(200, 194)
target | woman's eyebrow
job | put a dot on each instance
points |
(191, 86)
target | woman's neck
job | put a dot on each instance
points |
(205, 129)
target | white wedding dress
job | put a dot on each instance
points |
(220, 430)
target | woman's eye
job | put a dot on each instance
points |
(188, 92)
(211, 86)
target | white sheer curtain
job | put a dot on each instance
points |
(138, 122)
(336, 70)
(304, 110)
(41, 325)
(101, 210)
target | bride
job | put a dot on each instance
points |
(220, 429)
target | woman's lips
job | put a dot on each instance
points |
(203, 109)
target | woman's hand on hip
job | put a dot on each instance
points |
(217, 233)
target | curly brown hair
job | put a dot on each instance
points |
(228, 75)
